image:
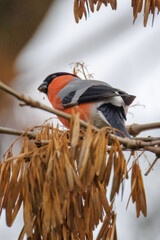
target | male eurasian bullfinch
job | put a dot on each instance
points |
(96, 101)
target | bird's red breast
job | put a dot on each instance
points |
(84, 113)
(54, 88)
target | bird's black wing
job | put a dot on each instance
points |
(90, 94)
(116, 117)
(85, 91)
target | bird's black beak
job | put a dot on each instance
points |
(43, 87)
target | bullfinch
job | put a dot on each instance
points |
(97, 102)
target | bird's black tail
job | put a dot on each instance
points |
(116, 118)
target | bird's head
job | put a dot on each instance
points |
(44, 86)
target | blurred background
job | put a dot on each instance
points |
(41, 37)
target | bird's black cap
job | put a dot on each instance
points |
(44, 86)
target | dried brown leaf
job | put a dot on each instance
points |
(27, 210)
(113, 231)
(47, 203)
(120, 169)
(137, 7)
(85, 152)
(138, 192)
(142, 195)
(77, 182)
(104, 228)
(97, 207)
(15, 209)
(76, 10)
(146, 11)
(68, 211)
(69, 173)
(23, 231)
(57, 211)
(76, 207)
(99, 5)
(13, 194)
(53, 216)
(82, 10)
(158, 4)
(103, 197)
(100, 152)
(75, 135)
(109, 166)
(65, 232)
(91, 4)
(88, 208)
(116, 178)
(113, 4)
(4, 181)
(153, 5)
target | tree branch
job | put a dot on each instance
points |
(126, 142)
(30, 134)
(35, 104)
(146, 139)
(135, 128)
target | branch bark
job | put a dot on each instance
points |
(151, 167)
(30, 134)
(35, 104)
(135, 128)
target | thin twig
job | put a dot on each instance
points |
(150, 168)
(18, 157)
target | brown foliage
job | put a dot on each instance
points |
(81, 67)
(62, 184)
(82, 6)
(150, 7)
(138, 193)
